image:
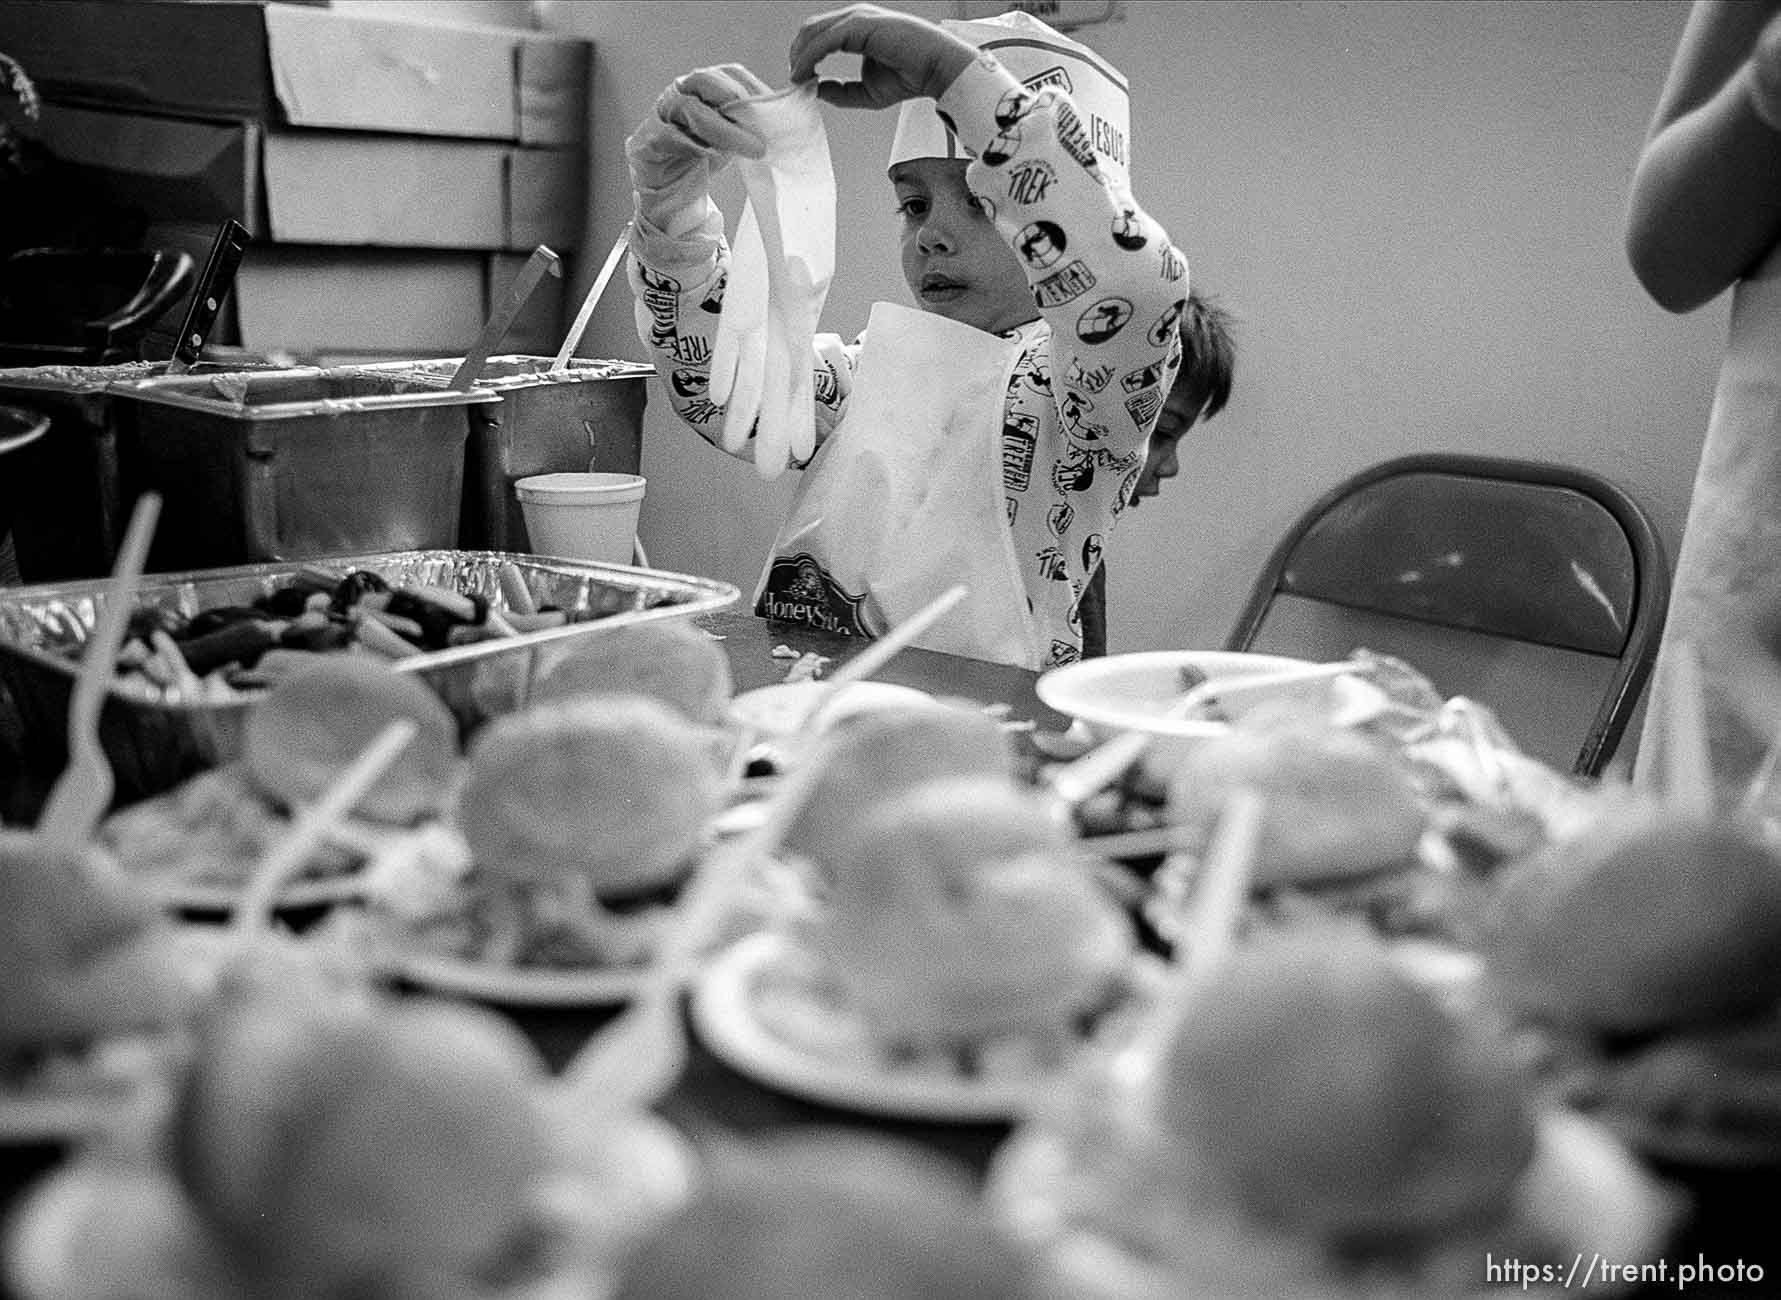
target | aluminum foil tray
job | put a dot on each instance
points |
(155, 738)
(514, 370)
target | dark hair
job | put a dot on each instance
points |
(1208, 355)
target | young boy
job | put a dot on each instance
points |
(1202, 387)
(992, 437)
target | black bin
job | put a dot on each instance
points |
(86, 306)
(73, 321)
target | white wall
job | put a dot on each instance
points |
(1413, 207)
(474, 13)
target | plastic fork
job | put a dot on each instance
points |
(636, 1059)
(259, 900)
(83, 792)
(897, 640)
(1208, 929)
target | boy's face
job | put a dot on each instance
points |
(1179, 414)
(954, 262)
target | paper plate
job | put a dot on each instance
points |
(120, 1073)
(101, 1094)
(1132, 692)
(1584, 1197)
(516, 986)
(787, 707)
(99, 1230)
(727, 1013)
(198, 896)
(61, 1116)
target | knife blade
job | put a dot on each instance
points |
(207, 298)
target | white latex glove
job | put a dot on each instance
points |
(739, 350)
(791, 200)
(797, 303)
(684, 139)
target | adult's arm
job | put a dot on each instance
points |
(1706, 194)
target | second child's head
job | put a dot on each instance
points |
(1202, 387)
(954, 260)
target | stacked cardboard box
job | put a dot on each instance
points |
(394, 174)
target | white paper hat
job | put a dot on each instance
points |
(1038, 56)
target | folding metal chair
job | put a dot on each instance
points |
(1536, 589)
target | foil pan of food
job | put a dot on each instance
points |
(203, 646)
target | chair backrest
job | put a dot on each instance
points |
(1539, 590)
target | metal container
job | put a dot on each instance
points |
(155, 739)
(294, 464)
(69, 509)
(588, 416)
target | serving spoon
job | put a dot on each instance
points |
(83, 791)
(598, 290)
(543, 262)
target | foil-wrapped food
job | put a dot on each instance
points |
(474, 624)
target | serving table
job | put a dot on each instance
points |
(712, 1102)
(750, 641)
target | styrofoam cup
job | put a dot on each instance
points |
(582, 516)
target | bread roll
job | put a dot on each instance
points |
(82, 954)
(1331, 1099)
(867, 758)
(1337, 805)
(339, 1152)
(830, 1215)
(316, 721)
(617, 788)
(959, 912)
(671, 661)
(1660, 921)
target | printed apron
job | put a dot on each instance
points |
(1726, 594)
(904, 499)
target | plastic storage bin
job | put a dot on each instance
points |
(588, 416)
(294, 464)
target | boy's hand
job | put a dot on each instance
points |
(902, 56)
(686, 137)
